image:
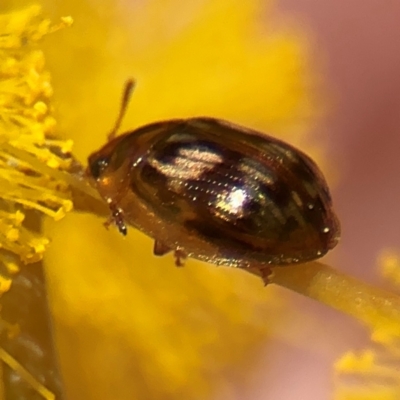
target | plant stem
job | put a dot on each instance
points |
(377, 308)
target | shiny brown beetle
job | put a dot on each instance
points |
(215, 191)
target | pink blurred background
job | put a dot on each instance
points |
(360, 44)
(361, 40)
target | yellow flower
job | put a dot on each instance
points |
(26, 137)
(368, 375)
(374, 373)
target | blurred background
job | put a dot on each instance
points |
(321, 75)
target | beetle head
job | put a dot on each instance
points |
(99, 162)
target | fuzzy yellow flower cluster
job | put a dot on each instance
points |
(373, 374)
(369, 375)
(389, 263)
(28, 150)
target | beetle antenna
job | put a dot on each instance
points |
(128, 90)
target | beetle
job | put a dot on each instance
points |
(215, 191)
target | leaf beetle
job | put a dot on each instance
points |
(215, 191)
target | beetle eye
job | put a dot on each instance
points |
(98, 166)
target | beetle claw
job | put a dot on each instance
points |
(265, 273)
(180, 257)
(160, 248)
(108, 222)
(116, 218)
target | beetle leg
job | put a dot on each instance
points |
(117, 219)
(160, 248)
(108, 222)
(265, 273)
(180, 257)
